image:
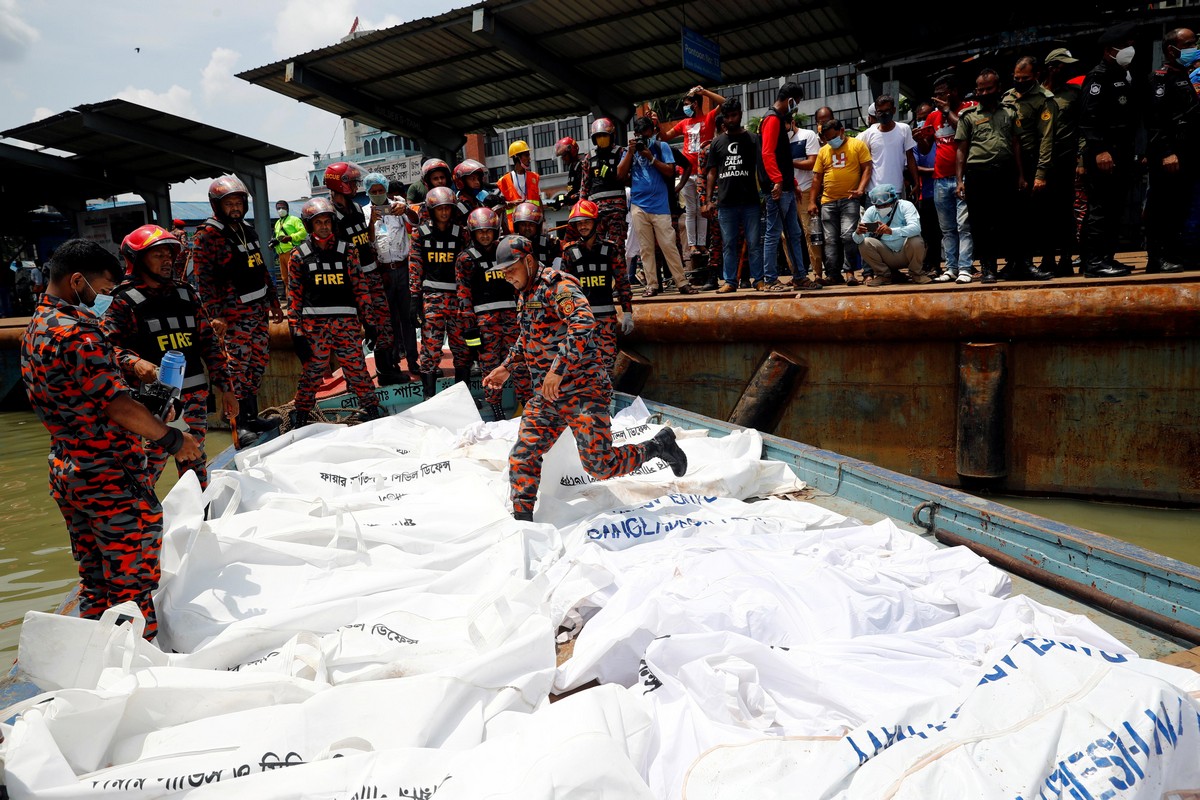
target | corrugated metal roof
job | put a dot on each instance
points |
(546, 59)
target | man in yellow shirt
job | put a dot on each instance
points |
(840, 177)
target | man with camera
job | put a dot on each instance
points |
(650, 167)
(889, 237)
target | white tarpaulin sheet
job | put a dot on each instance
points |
(354, 614)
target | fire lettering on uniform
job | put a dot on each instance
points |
(174, 341)
(360, 239)
(331, 279)
(441, 257)
(254, 260)
(593, 280)
(494, 275)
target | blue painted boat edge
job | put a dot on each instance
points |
(1148, 580)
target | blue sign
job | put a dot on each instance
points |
(700, 55)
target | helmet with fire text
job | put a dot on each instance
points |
(430, 166)
(527, 212)
(584, 210)
(343, 177)
(465, 170)
(483, 219)
(439, 196)
(226, 186)
(314, 208)
(566, 147)
(142, 239)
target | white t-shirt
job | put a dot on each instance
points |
(812, 144)
(889, 153)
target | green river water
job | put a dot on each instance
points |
(37, 569)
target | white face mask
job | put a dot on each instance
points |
(1124, 56)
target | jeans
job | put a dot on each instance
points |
(958, 248)
(839, 219)
(782, 218)
(730, 217)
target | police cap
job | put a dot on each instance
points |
(1117, 34)
(1061, 55)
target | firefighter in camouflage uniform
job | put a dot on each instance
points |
(602, 185)
(600, 269)
(572, 388)
(547, 249)
(327, 297)
(152, 313)
(488, 306)
(97, 464)
(434, 289)
(237, 293)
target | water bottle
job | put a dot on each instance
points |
(816, 232)
(160, 395)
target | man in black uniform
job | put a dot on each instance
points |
(1173, 155)
(568, 150)
(1108, 117)
(603, 186)
(1060, 188)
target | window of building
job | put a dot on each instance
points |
(548, 166)
(810, 82)
(543, 135)
(515, 134)
(570, 127)
(840, 80)
(762, 94)
(493, 145)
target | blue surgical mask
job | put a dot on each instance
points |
(481, 195)
(688, 111)
(837, 142)
(101, 304)
(1188, 56)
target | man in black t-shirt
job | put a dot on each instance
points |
(732, 168)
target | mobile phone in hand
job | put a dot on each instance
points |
(872, 226)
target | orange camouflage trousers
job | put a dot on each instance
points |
(604, 335)
(380, 314)
(248, 346)
(195, 414)
(441, 322)
(115, 523)
(341, 336)
(541, 424)
(498, 333)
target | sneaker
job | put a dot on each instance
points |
(946, 277)
(649, 291)
(963, 277)
(727, 288)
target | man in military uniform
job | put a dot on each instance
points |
(98, 471)
(573, 388)
(1173, 155)
(1108, 118)
(152, 313)
(528, 220)
(343, 179)
(1059, 223)
(238, 294)
(988, 169)
(603, 186)
(488, 306)
(327, 296)
(600, 269)
(434, 290)
(1036, 115)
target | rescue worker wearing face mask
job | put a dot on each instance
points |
(434, 172)
(470, 181)
(152, 313)
(520, 184)
(599, 266)
(1108, 121)
(327, 296)
(380, 318)
(98, 472)
(568, 150)
(555, 342)
(238, 294)
(288, 232)
(433, 289)
(547, 249)
(1174, 154)
(488, 306)
(603, 186)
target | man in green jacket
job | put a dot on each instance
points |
(289, 232)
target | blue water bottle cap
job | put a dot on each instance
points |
(171, 369)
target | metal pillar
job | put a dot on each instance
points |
(157, 197)
(256, 182)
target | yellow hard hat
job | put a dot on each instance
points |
(516, 148)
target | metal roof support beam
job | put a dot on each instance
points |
(71, 168)
(147, 137)
(601, 100)
(394, 119)
(157, 195)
